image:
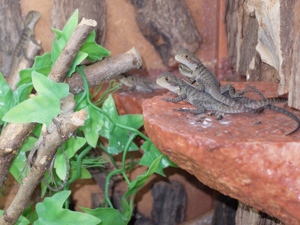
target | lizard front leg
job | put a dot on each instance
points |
(200, 109)
(177, 99)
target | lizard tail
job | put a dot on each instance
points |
(287, 113)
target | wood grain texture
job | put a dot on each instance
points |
(241, 29)
(263, 40)
(11, 27)
(90, 9)
(168, 26)
(248, 215)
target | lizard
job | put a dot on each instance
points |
(138, 83)
(203, 101)
(200, 99)
(205, 79)
(238, 96)
(67, 105)
(21, 48)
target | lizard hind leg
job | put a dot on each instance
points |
(52, 177)
(198, 110)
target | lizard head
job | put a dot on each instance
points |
(31, 19)
(184, 70)
(187, 58)
(169, 81)
(127, 81)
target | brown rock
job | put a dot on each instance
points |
(256, 164)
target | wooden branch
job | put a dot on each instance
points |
(66, 58)
(11, 140)
(8, 150)
(69, 123)
(248, 215)
(33, 49)
(107, 69)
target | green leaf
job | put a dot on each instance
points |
(84, 173)
(142, 179)
(126, 208)
(92, 124)
(22, 93)
(46, 87)
(41, 108)
(57, 47)
(95, 52)
(70, 147)
(108, 216)
(50, 212)
(42, 64)
(70, 25)
(118, 137)
(21, 221)
(151, 153)
(6, 98)
(38, 109)
(78, 59)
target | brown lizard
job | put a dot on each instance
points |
(204, 101)
(67, 106)
(135, 82)
(21, 48)
(205, 79)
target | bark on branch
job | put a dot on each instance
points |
(14, 135)
(69, 123)
(107, 69)
(66, 58)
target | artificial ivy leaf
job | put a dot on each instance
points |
(22, 93)
(7, 100)
(42, 64)
(84, 173)
(50, 212)
(46, 87)
(57, 32)
(108, 216)
(39, 109)
(142, 179)
(118, 137)
(57, 47)
(78, 59)
(151, 153)
(70, 147)
(126, 208)
(61, 38)
(70, 25)
(92, 124)
(21, 221)
(118, 140)
(95, 52)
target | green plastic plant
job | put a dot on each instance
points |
(103, 120)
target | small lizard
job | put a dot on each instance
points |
(67, 105)
(229, 92)
(200, 99)
(205, 79)
(203, 101)
(27, 36)
(135, 82)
